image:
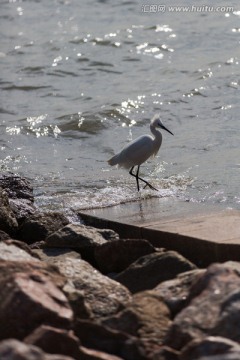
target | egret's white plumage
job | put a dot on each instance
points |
(139, 150)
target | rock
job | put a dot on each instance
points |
(38, 245)
(16, 187)
(55, 341)
(14, 253)
(23, 246)
(150, 270)
(22, 209)
(234, 265)
(61, 257)
(213, 308)
(9, 268)
(40, 225)
(230, 356)
(175, 292)
(8, 222)
(166, 353)
(146, 318)
(90, 354)
(4, 235)
(81, 308)
(79, 236)
(82, 238)
(115, 256)
(49, 255)
(94, 335)
(12, 349)
(20, 194)
(29, 298)
(103, 296)
(212, 345)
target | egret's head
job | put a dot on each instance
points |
(156, 122)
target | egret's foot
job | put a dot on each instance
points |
(151, 187)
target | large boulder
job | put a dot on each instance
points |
(13, 349)
(100, 295)
(228, 356)
(150, 270)
(213, 308)
(116, 256)
(4, 235)
(12, 252)
(8, 222)
(82, 238)
(209, 346)
(16, 187)
(54, 255)
(95, 335)
(62, 258)
(20, 194)
(175, 292)
(39, 226)
(91, 354)
(55, 341)
(146, 318)
(29, 298)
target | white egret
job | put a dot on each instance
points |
(139, 150)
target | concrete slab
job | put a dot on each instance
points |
(202, 234)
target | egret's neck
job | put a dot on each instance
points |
(156, 133)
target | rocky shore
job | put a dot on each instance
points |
(70, 291)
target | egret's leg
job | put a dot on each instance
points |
(147, 183)
(139, 178)
(136, 176)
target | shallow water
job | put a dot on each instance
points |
(78, 81)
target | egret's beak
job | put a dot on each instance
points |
(164, 128)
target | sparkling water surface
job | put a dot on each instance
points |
(79, 80)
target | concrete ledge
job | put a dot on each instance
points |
(202, 234)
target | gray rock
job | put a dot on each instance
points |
(12, 349)
(14, 253)
(8, 222)
(234, 265)
(21, 245)
(49, 255)
(61, 257)
(55, 341)
(212, 345)
(150, 270)
(22, 209)
(175, 292)
(81, 238)
(4, 235)
(166, 353)
(115, 256)
(146, 318)
(213, 308)
(97, 336)
(230, 356)
(29, 298)
(20, 194)
(40, 225)
(81, 308)
(90, 354)
(16, 186)
(103, 296)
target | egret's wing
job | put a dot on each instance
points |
(137, 151)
